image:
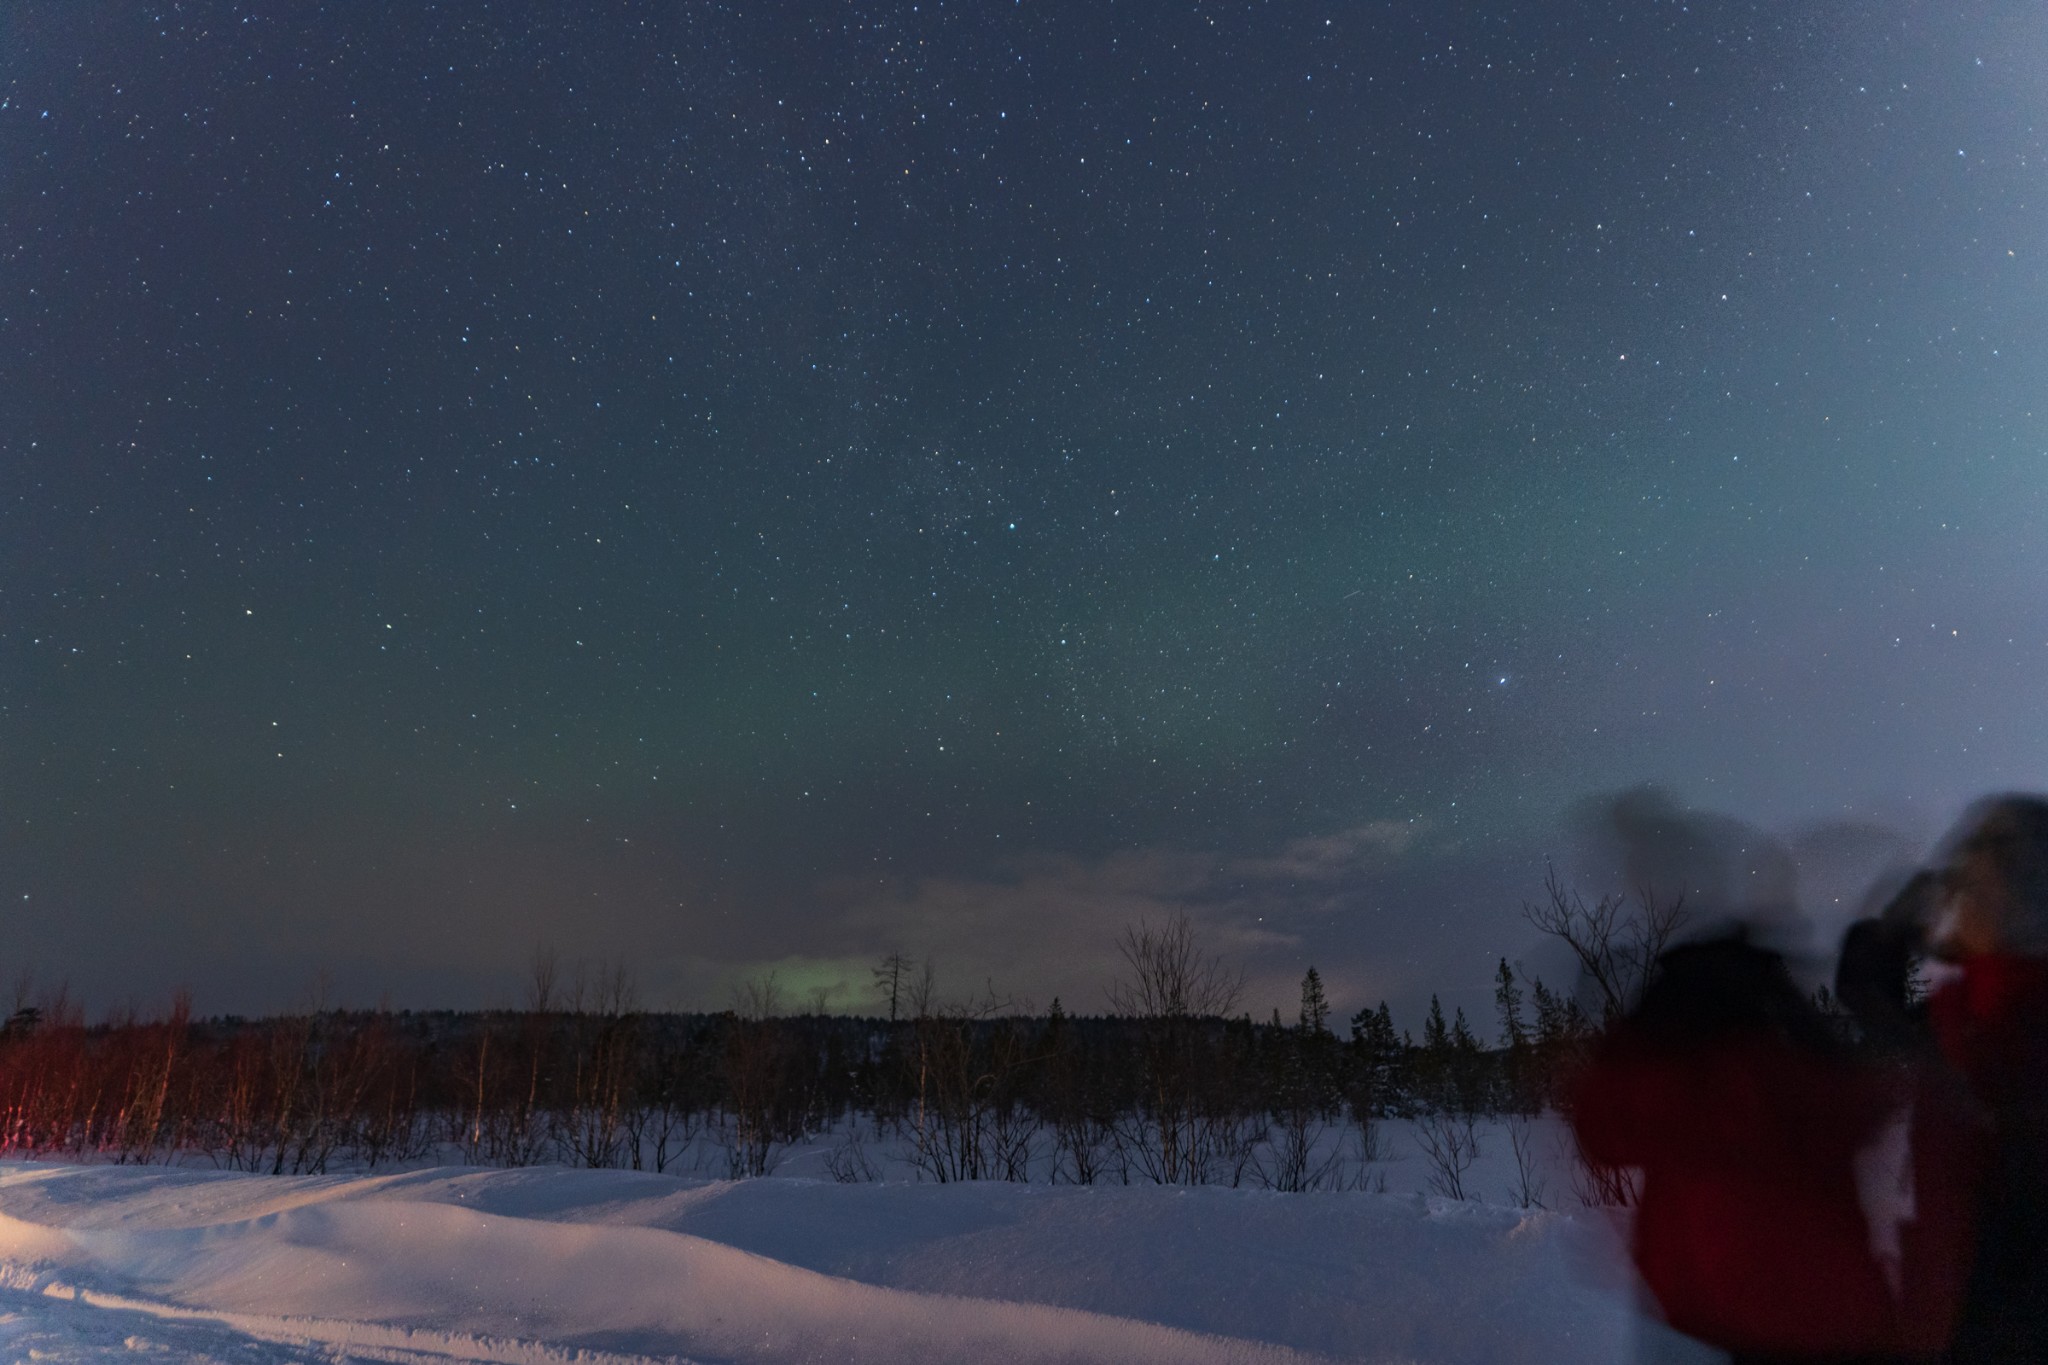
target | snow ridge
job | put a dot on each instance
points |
(554, 1267)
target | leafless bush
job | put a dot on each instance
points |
(1596, 1186)
(1175, 989)
(1529, 1187)
(144, 1068)
(1369, 1151)
(1235, 1146)
(755, 1058)
(504, 1115)
(1296, 1156)
(1081, 1147)
(848, 1161)
(968, 1121)
(664, 1117)
(1169, 976)
(1451, 1144)
(1070, 1100)
(603, 1015)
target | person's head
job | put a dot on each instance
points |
(1995, 883)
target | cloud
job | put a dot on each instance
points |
(1049, 924)
(441, 911)
(1046, 925)
(1333, 857)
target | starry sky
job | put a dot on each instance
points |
(730, 487)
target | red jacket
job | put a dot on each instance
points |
(1749, 1230)
(1992, 1023)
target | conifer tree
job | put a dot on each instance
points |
(1466, 1066)
(1519, 1069)
(1315, 1047)
(1379, 1051)
(1560, 1024)
(1463, 1041)
(1436, 1035)
(1550, 1016)
(1433, 1063)
(1373, 1036)
(1315, 1006)
(1507, 998)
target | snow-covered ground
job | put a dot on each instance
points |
(551, 1265)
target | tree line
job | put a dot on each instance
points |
(1174, 1085)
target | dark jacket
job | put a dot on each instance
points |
(1744, 1112)
(1992, 1024)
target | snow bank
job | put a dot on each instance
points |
(537, 1265)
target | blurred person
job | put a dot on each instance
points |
(1990, 923)
(1744, 1109)
(1920, 1176)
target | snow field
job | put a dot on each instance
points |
(544, 1265)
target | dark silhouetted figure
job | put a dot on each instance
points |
(1946, 1131)
(1991, 921)
(1745, 1108)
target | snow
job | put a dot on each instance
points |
(544, 1265)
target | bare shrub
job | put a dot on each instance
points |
(969, 1120)
(755, 1060)
(604, 1022)
(1071, 1101)
(665, 1114)
(1529, 1187)
(1369, 1151)
(1450, 1142)
(1176, 990)
(1169, 976)
(1600, 1187)
(1296, 1155)
(848, 1160)
(141, 1061)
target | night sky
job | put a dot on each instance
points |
(723, 487)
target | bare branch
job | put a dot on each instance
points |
(1170, 976)
(1617, 945)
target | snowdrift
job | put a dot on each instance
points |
(550, 1265)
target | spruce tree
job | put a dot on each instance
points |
(1550, 1016)
(1379, 1051)
(1433, 1064)
(1436, 1035)
(1518, 1067)
(1467, 1069)
(1315, 1006)
(1462, 1037)
(1507, 998)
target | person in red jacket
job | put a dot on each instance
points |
(1743, 1109)
(1991, 1021)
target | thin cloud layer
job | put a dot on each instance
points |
(1048, 925)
